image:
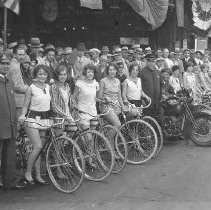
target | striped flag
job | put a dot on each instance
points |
(12, 5)
(92, 4)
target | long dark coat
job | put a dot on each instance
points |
(151, 84)
(8, 119)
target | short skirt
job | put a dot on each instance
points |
(105, 107)
(38, 120)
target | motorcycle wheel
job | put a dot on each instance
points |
(201, 133)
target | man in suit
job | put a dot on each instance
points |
(187, 58)
(80, 61)
(151, 84)
(16, 76)
(8, 127)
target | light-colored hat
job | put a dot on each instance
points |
(12, 45)
(138, 50)
(159, 59)
(124, 48)
(118, 50)
(67, 51)
(148, 49)
(50, 47)
(94, 50)
(176, 51)
(40, 49)
(135, 46)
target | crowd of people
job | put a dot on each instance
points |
(46, 80)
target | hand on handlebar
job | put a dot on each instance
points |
(21, 119)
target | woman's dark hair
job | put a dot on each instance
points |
(111, 64)
(132, 66)
(188, 64)
(38, 67)
(59, 69)
(89, 66)
(174, 68)
(203, 66)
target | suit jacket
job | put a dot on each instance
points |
(151, 83)
(189, 60)
(79, 65)
(8, 118)
(19, 86)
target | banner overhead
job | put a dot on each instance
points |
(153, 11)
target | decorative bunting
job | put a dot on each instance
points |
(153, 11)
(202, 14)
(12, 5)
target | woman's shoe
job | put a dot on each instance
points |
(29, 181)
(41, 182)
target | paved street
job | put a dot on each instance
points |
(178, 179)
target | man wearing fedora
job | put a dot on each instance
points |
(66, 61)
(104, 50)
(187, 58)
(50, 60)
(80, 61)
(59, 54)
(168, 63)
(95, 53)
(159, 64)
(34, 47)
(198, 58)
(118, 58)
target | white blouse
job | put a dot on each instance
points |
(134, 89)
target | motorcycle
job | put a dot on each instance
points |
(182, 118)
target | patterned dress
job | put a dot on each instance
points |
(111, 91)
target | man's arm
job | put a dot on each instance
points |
(17, 79)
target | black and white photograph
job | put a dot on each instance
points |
(105, 104)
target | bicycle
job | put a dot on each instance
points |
(141, 139)
(114, 136)
(101, 152)
(57, 150)
(138, 114)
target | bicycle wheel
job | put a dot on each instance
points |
(100, 152)
(116, 139)
(141, 140)
(60, 159)
(201, 133)
(153, 122)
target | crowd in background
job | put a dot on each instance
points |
(50, 78)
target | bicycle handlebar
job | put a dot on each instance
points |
(49, 126)
(95, 116)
